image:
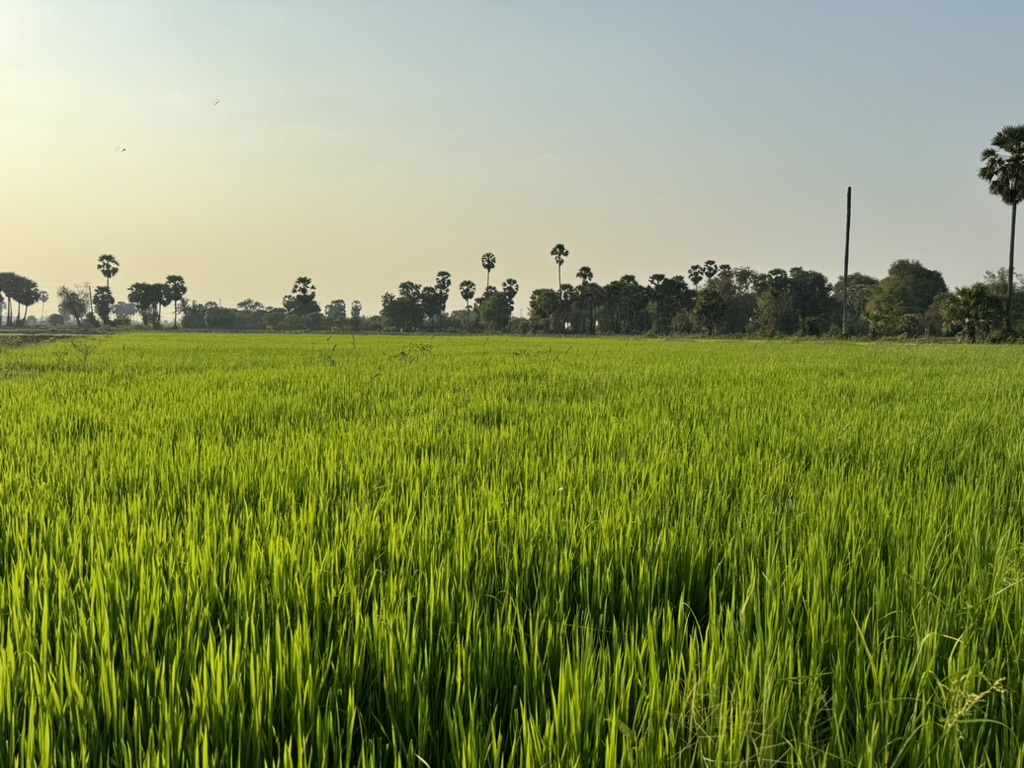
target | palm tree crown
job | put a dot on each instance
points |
(488, 261)
(561, 254)
(467, 289)
(1003, 165)
(108, 266)
(1003, 168)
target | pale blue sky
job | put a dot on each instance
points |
(366, 143)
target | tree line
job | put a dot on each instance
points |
(712, 299)
(95, 307)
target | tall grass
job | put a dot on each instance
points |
(461, 552)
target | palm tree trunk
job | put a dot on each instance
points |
(1009, 277)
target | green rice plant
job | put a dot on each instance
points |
(291, 551)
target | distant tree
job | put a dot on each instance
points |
(467, 289)
(434, 299)
(302, 299)
(124, 310)
(357, 314)
(589, 295)
(510, 288)
(775, 311)
(797, 302)
(1003, 168)
(561, 254)
(404, 311)
(861, 288)
(972, 313)
(103, 302)
(464, 319)
(31, 298)
(193, 314)
(488, 261)
(212, 315)
(812, 300)
(495, 310)
(43, 298)
(25, 292)
(902, 299)
(336, 312)
(545, 309)
(667, 297)
(443, 284)
(995, 281)
(174, 291)
(108, 267)
(699, 273)
(72, 303)
(13, 286)
(251, 305)
(711, 308)
(624, 307)
(147, 298)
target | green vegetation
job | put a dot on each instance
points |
(304, 550)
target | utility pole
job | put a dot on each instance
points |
(1009, 277)
(846, 257)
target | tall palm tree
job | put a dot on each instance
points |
(175, 290)
(302, 299)
(560, 254)
(1003, 169)
(43, 298)
(585, 275)
(467, 289)
(8, 285)
(108, 266)
(488, 261)
(510, 288)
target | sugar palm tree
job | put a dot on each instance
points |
(1003, 169)
(488, 261)
(510, 288)
(175, 290)
(108, 266)
(467, 289)
(560, 254)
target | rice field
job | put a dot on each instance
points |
(312, 551)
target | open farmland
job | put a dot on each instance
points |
(249, 550)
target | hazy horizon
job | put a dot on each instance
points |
(363, 145)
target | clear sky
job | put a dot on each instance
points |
(363, 143)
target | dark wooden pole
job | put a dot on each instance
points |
(846, 257)
(1010, 275)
